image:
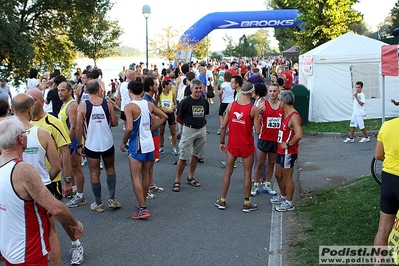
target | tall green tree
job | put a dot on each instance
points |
(54, 51)
(166, 45)
(286, 36)
(394, 17)
(201, 49)
(261, 41)
(360, 28)
(228, 52)
(324, 21)
(34, 34)
(95, 35)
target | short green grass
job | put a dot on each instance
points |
(339, 127)
(347, 214)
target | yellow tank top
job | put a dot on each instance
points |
(63, 117)
(166, 102)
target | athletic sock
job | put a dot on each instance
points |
(80, 195)
(111, 182)
(96, 187)
(76, 242)
(223, 199)
(247, 201)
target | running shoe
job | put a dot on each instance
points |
(156, 160)
(77, 254)
(84, 161)
(175, 152)
(101, 166)
(221, 205)
(98, 208)
(364, 140)
(155, 188)
(224, 163)
(349, 140)
(114, 204)
(218, 133)
(277, 200)
(170, 140)
(76, 201)
(249, 207)
(266, 189)
(141, 214)
(285, 206)
(150, 195)
(70, 196)
(254, 191)
(161, 150)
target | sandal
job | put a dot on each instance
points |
(176, 187)
(201, 160)
(193, 182)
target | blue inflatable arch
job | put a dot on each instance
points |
(284, 18)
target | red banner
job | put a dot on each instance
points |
(389, 60)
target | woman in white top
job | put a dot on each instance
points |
(33, 82)
(226, 95)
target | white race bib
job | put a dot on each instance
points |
(280, 136)
(166, 103)
(273, 122)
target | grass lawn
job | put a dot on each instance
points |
(339, 127)
(347, 214)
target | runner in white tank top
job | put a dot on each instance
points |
(35, 154)
(97, 127)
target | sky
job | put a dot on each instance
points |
(181, 14)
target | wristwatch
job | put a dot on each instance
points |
(68, 179)
(287, 143)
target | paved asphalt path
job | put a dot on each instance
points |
(186, 228)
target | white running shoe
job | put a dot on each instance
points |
(150, 195)
(349, 140)
(285, 206)
(277, 200)
(266, 189)
(77, 254)
(254, 191)
(365, 140)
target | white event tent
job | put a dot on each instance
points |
(331, 70)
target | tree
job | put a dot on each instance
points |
(216, 56)
(360, 28)
(324, 21)
(201, 48)
(54, 51)
(394, 17)
(261, 42)
(33, 34)
(167, 45)
(228, 52)
(286, 36)
(95, 35)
